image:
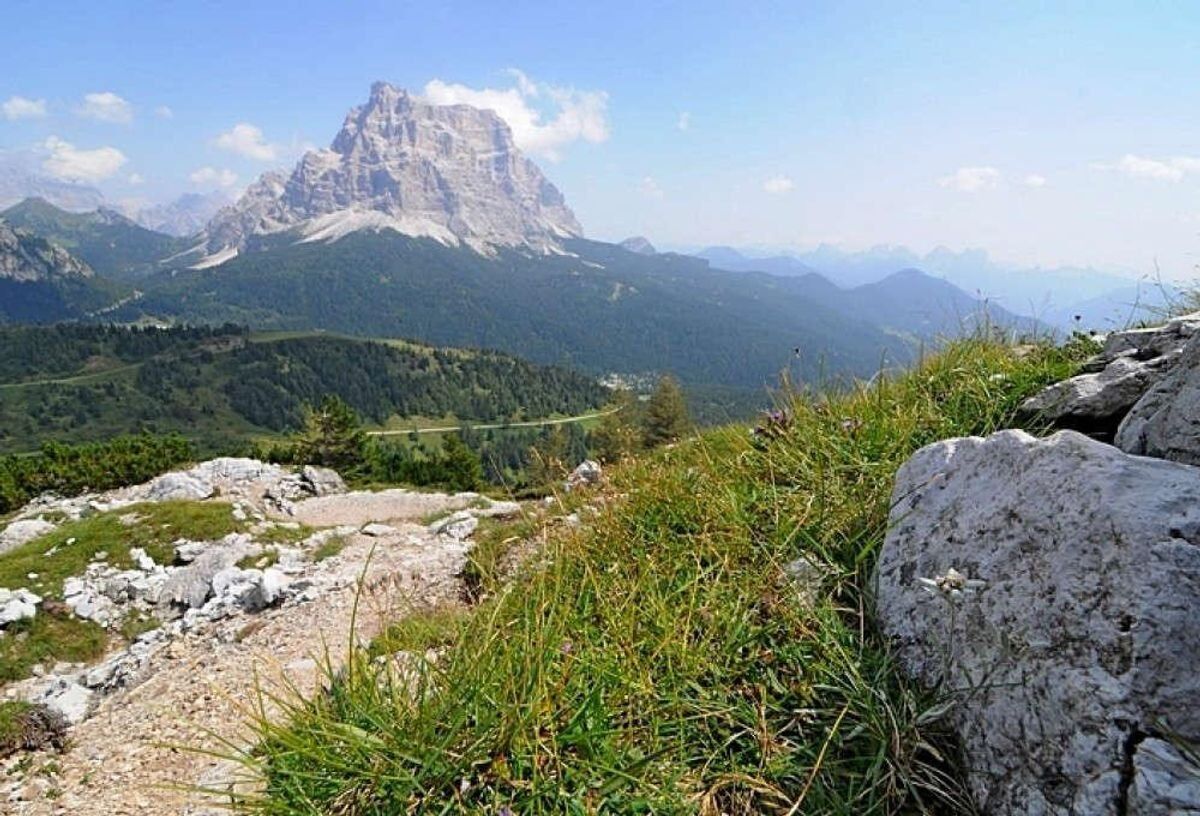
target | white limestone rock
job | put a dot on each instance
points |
(1165, 422)
(588, 472)
(458, 526)
(322, 481)
(1053, 587)
(71, 700)
(1131, 363)
(22, 532)
(17, 605)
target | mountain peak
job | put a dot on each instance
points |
(639, 244)
(448, 172)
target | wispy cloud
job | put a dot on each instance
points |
(74, 164)
(247, 140)
(164, 112)
(543, 118)
(1034, 180)
(106, 106)
(971, 179)
(18, 107)
(1141, 167)
(778, 185)
(135, 179)
(213, 177)
(685, 121)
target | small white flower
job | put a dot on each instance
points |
(952, 584)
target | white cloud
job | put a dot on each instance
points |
(971, 179)
(576, 115)
(163, 112)
(649, 188)
(18, 107)
(1034, 180)
(247, 140)
(73, 164)
(685, 121)
(107, 107)
(136, 179)
(778, 185)
(213, 177)
(1141, 167)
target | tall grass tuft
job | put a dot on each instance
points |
(675, 657)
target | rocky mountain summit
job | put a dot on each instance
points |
(26, 258)
(447, 172)
(1050, 588)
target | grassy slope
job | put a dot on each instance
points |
(662, 661)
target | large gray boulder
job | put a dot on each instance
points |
(1051, 588)
(1165, 422)
(1130, 364)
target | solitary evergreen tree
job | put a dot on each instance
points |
(460, 466)
(332, 436)
(618, 434)
(667, 417)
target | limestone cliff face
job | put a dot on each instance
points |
(26, 258)
(447, 172)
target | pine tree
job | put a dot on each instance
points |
(332, 436)
(618, 435)
(460, 466)
(667, 418)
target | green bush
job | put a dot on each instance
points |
(73, 469)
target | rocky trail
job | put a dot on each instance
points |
(194, 684)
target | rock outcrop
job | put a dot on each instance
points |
(1130, 364)
(447, 172)
(26, 258)
(1051, 588)
(1165, 422)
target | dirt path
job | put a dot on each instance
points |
(123, 760)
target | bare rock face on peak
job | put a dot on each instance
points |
(26, 258)
(448, 172)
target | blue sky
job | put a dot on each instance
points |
(1043, 133)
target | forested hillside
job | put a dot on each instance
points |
(221, 386)
(601, 308)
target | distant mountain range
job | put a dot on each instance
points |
(109, 242)
(426, 221)
(1101, 300)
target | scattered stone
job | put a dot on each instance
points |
(322, 481)
(17, 605)
(458, 526)
(142, 559)
(804, 575)
(498, 509)
(192, 585)
(70, 700)
(1053, 587)
(586, 473)
(377, 530)
(177, 487)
